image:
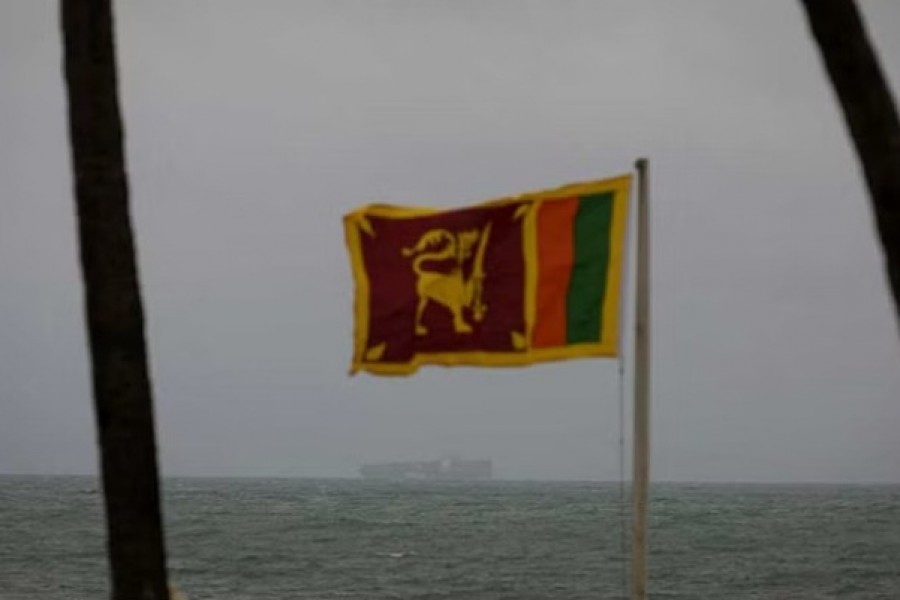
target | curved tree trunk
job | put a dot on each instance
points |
(115, 319)
(870, 114)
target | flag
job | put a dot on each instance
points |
(509, 282)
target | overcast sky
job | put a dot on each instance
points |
(253, 126)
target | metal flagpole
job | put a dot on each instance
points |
(641, 458)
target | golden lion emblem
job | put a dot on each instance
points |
(451, 289)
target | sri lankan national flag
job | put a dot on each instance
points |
(513, 281)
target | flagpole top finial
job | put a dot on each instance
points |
(641, 163)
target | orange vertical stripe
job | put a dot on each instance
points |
(555, 249)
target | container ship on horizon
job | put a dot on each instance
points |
(452, 469)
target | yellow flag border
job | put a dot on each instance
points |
(356, 225)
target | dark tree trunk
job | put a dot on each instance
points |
(115, 320)
(870, 114)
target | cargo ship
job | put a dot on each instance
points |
(449, 469)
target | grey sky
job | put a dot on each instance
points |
(253, 126)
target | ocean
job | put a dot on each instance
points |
(282, 539)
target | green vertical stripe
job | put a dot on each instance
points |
(587, 286)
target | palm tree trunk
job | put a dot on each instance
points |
(870, 114)
(115, 320)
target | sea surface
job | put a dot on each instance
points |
(266, 539)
